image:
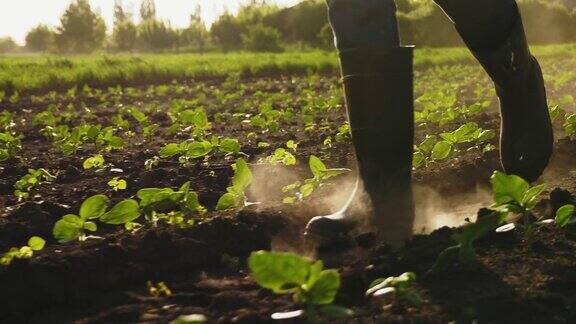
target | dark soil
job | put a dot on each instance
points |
(516, 280)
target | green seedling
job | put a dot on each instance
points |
(7, 120)
(189, 120)
(73, 227)
(463, 252)
(467, 133)
(566, 218)
(94, 162)
(513, 194)
(306, 280)
(148, 128)
(176, 207)
(35, 244)
(235, 196)
(118, 184)
(321, 173)
(158, 290)
(34, 178)
(280, 156)
(400, 288)
(570, 126)
(193, 149)
(344, 133)
(10, 145)
(151, 163)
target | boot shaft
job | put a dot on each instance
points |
(380, 103)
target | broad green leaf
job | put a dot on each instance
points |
(316, 166)
(428, 144)
(331, 173)
(531, 197)
(36, 243)
(96, 161)
(486, 135)
(279, 272)
(170, 150)
(227, 201)
(4, 155)
(508, 188)
(90, 226)
(159, 197)
(230, 145)
(466, 132)
(199, 149)
(124, 212)
(242, 175)
(94, 207)
(564, 215)
(193, 203)
(69, 228)
(441, 150)
(325, 288)
(306, 190)
(418, 159)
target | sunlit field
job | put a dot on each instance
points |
(136, 187)
(38, 72)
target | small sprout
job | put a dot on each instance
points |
(292, 145)
(344, 133)
(35, 243)
(566, 218)
(118, 184)
(321, 173)
(398, 287)
(149, 164)
(280, 156)
(158, 290)
(94, 162)
(463, 252)
(34, 178)
(235, 196)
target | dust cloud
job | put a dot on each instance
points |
(434, 210)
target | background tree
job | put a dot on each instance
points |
(8, 45)
(227, 31)
(196, 35)
(260, 38)
(82, 30)
(156, 35)
(148, 10)
(39, 39)
(125, 31)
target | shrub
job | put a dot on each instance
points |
(260, 38)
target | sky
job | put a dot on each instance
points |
(17, 17)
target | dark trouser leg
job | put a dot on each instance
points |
(493, 31)
(377, 76)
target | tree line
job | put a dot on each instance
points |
(260, 26)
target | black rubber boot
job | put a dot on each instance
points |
(526, 139)
(379, 98)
